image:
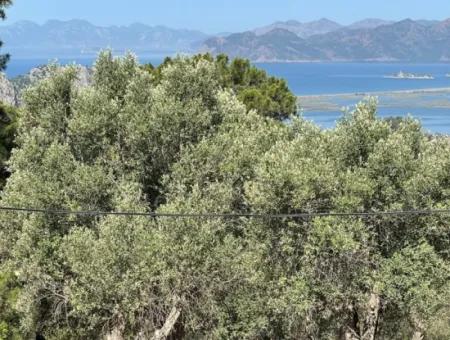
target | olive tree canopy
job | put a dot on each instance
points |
(187, 144)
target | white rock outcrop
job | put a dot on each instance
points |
(84, 78)
(7, 92)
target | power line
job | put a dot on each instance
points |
(227, 215)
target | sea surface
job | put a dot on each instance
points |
(306, 79)
(331, 78)
(19, 66)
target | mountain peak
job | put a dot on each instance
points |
(325, 21)
(369, 23)
(405, 24)
(281, 32)
(368, 40)
(291, 22)
(138, 25)
(407, 21)
(57, 38)
(303, 30)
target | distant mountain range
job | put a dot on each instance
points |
(78, 37)
(367, 40)
(321, 40)
(303, 30)
(322, 26)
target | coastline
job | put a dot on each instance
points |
(378, 93)
(347, 61)
(438, 98)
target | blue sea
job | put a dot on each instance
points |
(336, 78)
(330, 78)
(19, 66)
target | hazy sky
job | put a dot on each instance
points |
(214, 16)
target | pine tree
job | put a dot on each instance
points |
(5, 57)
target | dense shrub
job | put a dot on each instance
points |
(184, 144)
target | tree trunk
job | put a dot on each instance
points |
(115, 334)
(349, 334)
(350, 330)
(417, 335)
(364, 323)
(369, 329)
(418, 329)
(164, 332)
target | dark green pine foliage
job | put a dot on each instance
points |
(267, 95)
(5, 57)
(7, 131)
(7, 115)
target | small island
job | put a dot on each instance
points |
(406, 75)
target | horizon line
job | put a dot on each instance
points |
(7, 23)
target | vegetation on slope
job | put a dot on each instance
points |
(8, 116)
(269, 96)
(5, 57)
(406, 40)
(183, 143)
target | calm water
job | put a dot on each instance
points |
(330, 78)
(18, 67)
(433, 120)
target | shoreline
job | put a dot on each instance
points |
(427, 98)
(380, 93)
(348, 61)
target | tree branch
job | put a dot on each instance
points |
(164, 332)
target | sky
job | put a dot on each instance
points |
(214, 16)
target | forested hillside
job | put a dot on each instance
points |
(325, 40)
(406, 41)
(244, 223)
(56, 38)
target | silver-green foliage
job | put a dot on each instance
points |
(187, 145)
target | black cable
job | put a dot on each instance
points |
(227, 215)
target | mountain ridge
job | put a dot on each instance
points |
(406, 40)
(76, 36)
(369, 39)
(303, 30)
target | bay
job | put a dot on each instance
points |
(18, 66)
(306, 79)
(432, 108)
(331, 78)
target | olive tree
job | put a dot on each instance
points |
(179, 142)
